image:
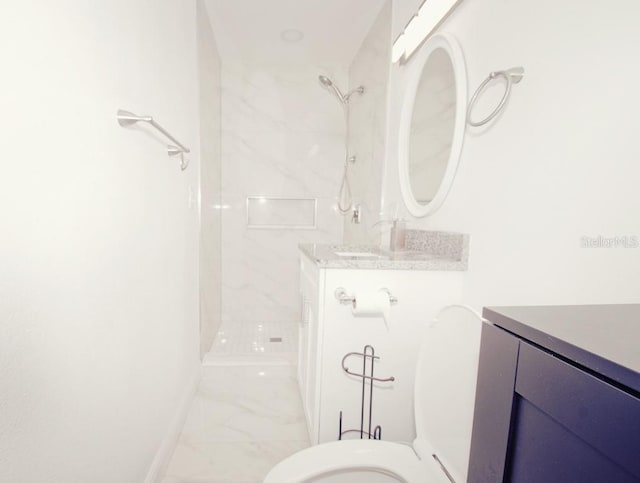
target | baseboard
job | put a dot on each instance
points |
(169, 442)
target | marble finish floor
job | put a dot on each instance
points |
(242, 421)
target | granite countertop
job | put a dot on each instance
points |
(325, 256)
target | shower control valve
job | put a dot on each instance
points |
(355, 217)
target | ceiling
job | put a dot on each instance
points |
(251, 30)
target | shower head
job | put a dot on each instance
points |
(343, 98)
(325, 81)
(328, 83)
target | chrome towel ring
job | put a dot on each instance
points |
(511, 76)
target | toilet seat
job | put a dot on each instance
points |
(393, 459)
(445, 386)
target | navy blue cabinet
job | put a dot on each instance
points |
(558, 396)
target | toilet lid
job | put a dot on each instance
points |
(445, 388)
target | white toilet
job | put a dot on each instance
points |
(444, 400)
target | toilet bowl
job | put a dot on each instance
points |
(444, 399)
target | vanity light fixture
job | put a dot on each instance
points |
(429, 16)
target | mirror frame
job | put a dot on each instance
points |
(415, 66)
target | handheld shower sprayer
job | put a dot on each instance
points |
(325, 81)
(343, 98)
(345, 188)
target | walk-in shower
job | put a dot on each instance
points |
(345, 202)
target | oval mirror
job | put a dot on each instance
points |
(432, 124)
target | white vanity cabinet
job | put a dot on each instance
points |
(329, 330)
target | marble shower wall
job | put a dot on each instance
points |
(367, 127)
(210, 178)
(282, 137)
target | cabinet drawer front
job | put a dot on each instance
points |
(603, 416)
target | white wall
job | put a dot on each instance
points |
(99, 244)
(367, 124)
(282, 137)
(560, 163)
(209, 69)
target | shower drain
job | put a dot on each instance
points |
(275, 339)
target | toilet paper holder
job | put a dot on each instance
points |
(369, 357)
(344, 298)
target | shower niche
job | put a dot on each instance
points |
(289, 213)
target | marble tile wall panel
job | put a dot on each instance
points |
(367, 127)
(210, 269)
(283, 137)
(260, 267)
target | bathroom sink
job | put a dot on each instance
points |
(347, 254)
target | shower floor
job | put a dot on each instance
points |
(247, 343)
